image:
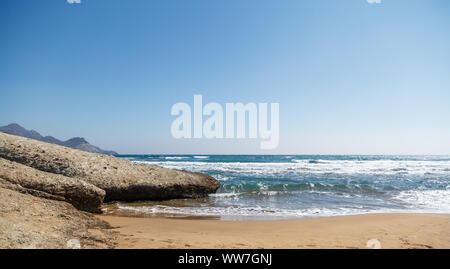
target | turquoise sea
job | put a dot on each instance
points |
(297, 186)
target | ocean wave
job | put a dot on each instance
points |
(225, 194)
(232, 211)
(437, 200)
(309, 161)
(236, 212)
(342, 167)
(175, 158)
(311, 187)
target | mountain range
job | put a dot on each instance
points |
(75, 143)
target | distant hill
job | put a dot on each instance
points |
(75, 143)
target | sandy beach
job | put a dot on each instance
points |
(405, 231)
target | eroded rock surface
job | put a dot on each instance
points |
(28, 221)
(24, 179)
(120, 178)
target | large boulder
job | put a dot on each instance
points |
(22, 178)
(120, 178)
(28, 221)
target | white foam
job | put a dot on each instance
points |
(433, 200)
(378, 167)
(225, 194)
(234, 212)
(175, 158)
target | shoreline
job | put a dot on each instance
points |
(392, 230)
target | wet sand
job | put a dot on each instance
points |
(391, 230)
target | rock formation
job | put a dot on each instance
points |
(27, 221)
(80, 194)
(42, 185)
(120, 178)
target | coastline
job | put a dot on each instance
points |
(48, 192)
(65, 186)
(392, 230)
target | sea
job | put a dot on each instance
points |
(264, 187)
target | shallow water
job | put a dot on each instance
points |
(299, 186)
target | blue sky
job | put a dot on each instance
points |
(351, 77)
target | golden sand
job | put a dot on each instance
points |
(391, 231)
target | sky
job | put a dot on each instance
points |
(350, 76)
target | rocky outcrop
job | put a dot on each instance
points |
(27, 221)
(80, 194)
(120, 178)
